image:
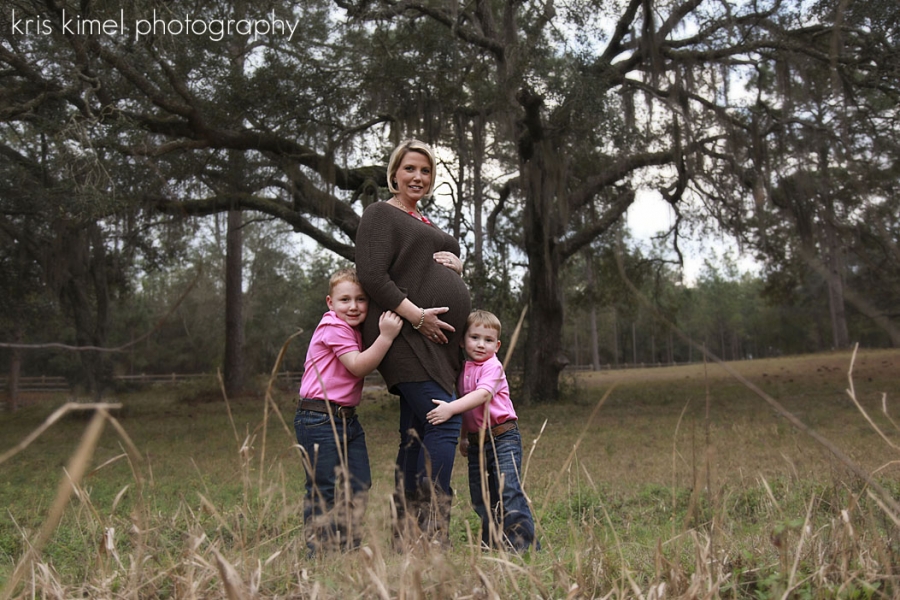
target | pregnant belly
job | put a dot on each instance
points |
(446, 288)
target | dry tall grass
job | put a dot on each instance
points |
(649, 490)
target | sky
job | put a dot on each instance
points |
(650, 214)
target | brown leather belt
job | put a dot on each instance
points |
(495, 430)
(320, 406)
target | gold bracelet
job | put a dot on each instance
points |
(421, 321)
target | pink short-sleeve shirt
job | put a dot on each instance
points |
(487, 375)
(324, 376)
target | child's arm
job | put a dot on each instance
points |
(445, 410)
(362, 363)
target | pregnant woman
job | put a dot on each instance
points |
(409, 266)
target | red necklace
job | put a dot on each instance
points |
(413, 213)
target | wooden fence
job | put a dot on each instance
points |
(42, 384)
(47, 384)
(152, 378)
(613, 367)
(50, 384)
(284, 378)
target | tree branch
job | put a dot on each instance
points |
(121, 348)
(441, 16)
(242, 201)
(610, 217)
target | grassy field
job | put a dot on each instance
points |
(668, 482)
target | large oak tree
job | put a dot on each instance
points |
(582, 103)
(595, 98)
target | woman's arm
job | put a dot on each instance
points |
(376, 245)
(426, 320)
(375, 239)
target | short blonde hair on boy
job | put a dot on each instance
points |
(484, 319)
(342, 275)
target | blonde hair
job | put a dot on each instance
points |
(402, 150)
(484, 319)
(348, 274)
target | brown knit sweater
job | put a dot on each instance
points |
(394, 260)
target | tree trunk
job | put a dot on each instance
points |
(234, 300)
(544, 359)
(78, 301)
(15, 369)
(595, 343)
(478, 271)
(670, 353)
(576, 341)
(615, 325)
(462, 161)
(98, 272)
(836, 305)
(634, 342)
(84, 289)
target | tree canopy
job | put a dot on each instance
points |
(773, 121)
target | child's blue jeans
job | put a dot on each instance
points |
(512, 519)
(333, 520)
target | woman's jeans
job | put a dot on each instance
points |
(332, 455)
(427, 451)
(502, 463)
(424, 465)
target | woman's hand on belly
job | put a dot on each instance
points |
(433, 327)
(446, 303)
(449, 260)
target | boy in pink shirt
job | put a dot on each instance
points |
(495, 467)
(326, 424)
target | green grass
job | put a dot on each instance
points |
(683, 483)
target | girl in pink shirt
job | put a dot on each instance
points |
(327, 427)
